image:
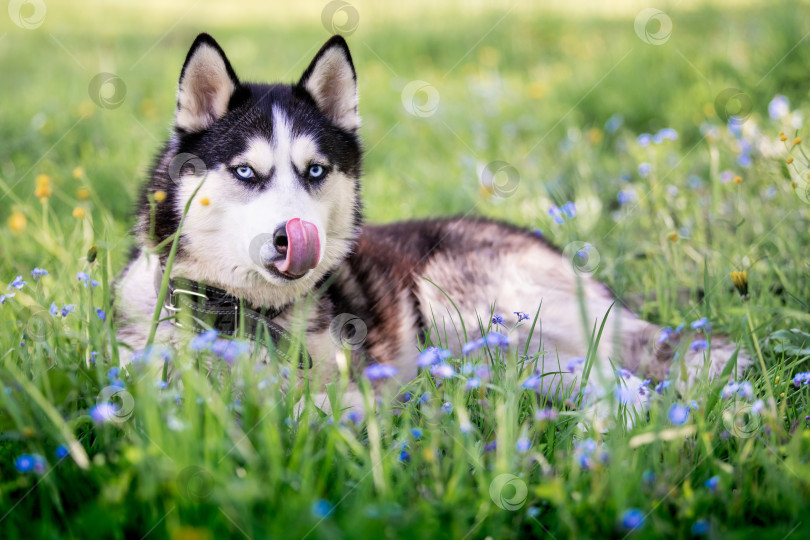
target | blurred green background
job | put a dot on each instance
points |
(560, 91)
(513, 79)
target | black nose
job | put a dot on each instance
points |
(280, 239)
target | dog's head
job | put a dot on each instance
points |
(277, 167)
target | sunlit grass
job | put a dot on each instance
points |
(669, 225)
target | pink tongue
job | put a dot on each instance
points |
(303, 248)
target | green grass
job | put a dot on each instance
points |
(225, 455)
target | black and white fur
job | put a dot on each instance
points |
(374, 272)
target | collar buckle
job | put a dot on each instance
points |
(172, 306)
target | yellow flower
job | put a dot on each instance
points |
(740, 280)
(147, 107)
(79, 212)
(782, 137)
(789, 160)
(17, 222)
(82, 193)
(190, 533)
(797, 140)
(43, 188)
(160, 195)
(708, 109)
(673, 236)
(205, 201)
(78, 173)
(776, 380)
(738, 179)
(595, 135)
(86, 108)
(537, 90)
(488, 56)
(42, 192)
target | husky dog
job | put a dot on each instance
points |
(270, 177)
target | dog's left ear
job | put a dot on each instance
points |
(331, 81)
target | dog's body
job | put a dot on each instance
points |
(277, 223)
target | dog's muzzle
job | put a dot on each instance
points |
(293, 250)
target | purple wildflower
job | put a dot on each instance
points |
(18, 283)
(699, 345)
(801, 379)
(204, 341)
(644, 169)
(229, 350)
(569, 209)
(572, 365)
(496, 339)
(632, 519)
(442, 370)
(433, 355)
(30, 463)
(678, 414)
(523, 445)
(702, 324)
(556, 215)
(700, 527)
(778, 107)
(103, 412)
(533, 381)
(545, 414)
(380, 371)
(644, 140)
(522, 316)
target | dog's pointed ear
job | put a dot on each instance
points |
(207, 82)
(331, 81)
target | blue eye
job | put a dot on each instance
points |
(316, 171)
(244, 172)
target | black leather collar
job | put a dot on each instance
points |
(213, 308)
